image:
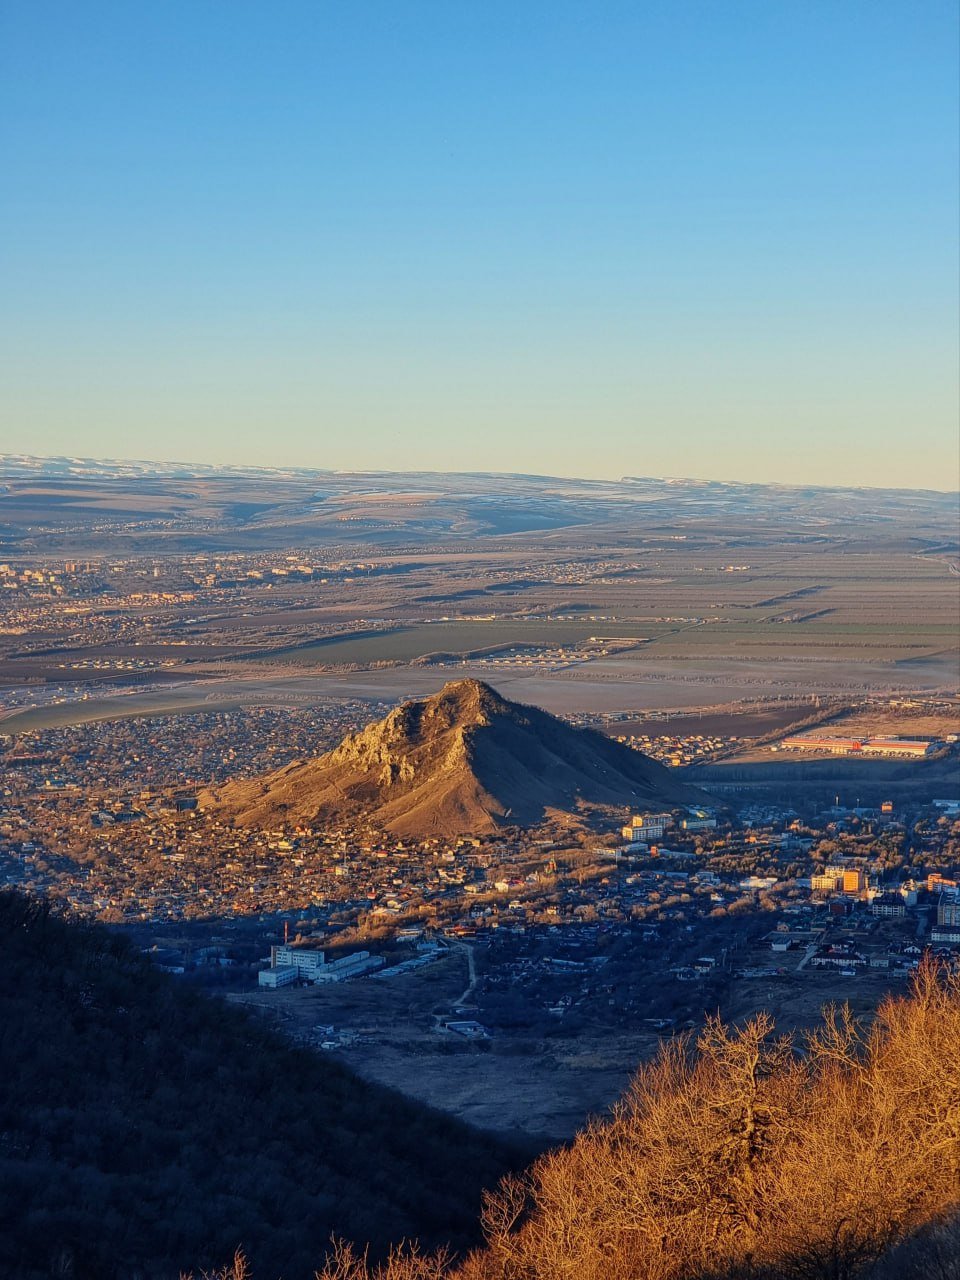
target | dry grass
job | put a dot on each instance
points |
(747, 1155)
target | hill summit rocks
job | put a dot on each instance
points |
(464, 761)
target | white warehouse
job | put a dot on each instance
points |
(306, 964)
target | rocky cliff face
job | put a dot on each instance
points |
(464, 761)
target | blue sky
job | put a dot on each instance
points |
(580, 238)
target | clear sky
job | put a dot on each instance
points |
(663, 237)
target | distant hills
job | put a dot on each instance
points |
(60, 505)
(465, 761)
(29, 466)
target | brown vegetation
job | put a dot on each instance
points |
(751, 1157)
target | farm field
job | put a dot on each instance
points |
(141, 594)
(469, 638)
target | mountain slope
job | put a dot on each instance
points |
(464, 761)
(754, 1157)
(145, 1129)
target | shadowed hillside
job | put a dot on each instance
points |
(144, 1129)
(747, 1157)
(465, 761)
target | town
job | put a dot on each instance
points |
(479, 637)
(104, 820)
(809, 694)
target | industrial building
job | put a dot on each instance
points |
(837, 746)
(308, 964)
(647, 826)
(282, 976)
(699, 821)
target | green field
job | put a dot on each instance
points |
(406, 644)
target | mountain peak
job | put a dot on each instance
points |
(465, 702)
(464, 761)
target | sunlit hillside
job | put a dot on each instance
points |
(748, 1155)
(150, 1125)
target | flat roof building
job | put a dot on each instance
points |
(284, 976)
(839, 746)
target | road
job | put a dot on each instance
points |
(467, 950)
(808, 955)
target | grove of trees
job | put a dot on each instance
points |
(146, 1129)
(747, 1156)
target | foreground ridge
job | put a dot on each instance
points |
(739, 1158)
(146, 1127)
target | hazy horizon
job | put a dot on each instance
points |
(242, 465)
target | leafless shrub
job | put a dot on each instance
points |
(743, 1157)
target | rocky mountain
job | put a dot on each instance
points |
(464, 761)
